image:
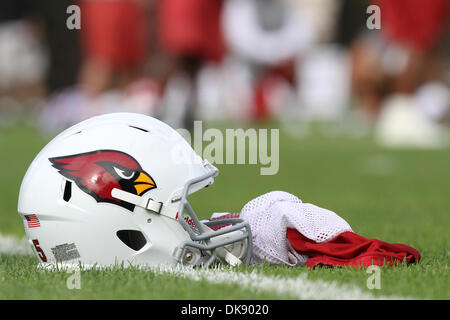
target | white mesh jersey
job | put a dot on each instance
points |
(271, 214)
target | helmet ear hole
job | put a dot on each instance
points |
(132, 238)
(67, 191)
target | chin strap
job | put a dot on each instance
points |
(149, 203)
(229, 258)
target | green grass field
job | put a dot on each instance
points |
(399, 196)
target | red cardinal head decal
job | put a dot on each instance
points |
(97, 173)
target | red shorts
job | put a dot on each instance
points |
(417, 23)
(114, 31)
(191, 28)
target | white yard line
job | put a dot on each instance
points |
(299, 287)
(14, 245)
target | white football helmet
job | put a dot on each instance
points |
(113, 190)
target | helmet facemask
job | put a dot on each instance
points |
(230, 245)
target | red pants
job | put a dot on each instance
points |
(417, 23)
(191, 28)
(115, 32)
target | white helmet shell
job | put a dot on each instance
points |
(112, 190)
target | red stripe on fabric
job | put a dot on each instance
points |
(351, 249)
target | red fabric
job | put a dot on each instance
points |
(226, 216)
(191, 28)
(418, 23)
(351, 249)
(114, 32)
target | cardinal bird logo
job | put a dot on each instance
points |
(98, 172)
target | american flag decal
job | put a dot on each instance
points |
(32, 221)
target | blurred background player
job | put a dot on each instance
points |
(113, 44)
(114, 41)
(267, 38)
(399, 75)
(190, 34)
(246, 61)
(404, 55)
(23, 63)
